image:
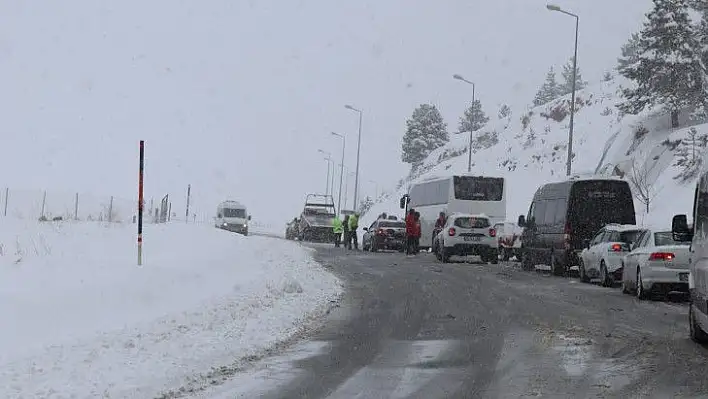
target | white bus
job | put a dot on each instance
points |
(464, 193)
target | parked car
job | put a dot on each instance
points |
(657, 263)
(698, 266)
(467, 234)
(603, 255)
(563, 215)
(384, 234)
(509, 237)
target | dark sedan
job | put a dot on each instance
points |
(384, 234)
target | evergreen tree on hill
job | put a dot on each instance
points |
(425, 131)
(669, 71)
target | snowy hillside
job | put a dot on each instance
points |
(82, 320)
(529, 148)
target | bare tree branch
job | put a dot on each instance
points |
(639, 179)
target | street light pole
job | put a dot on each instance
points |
(469, 151)
(341, 171)
(327, 158)
(358, 150)
(552, 7)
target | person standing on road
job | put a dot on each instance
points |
(345, 231)
(417, 229)
(439, 225)
(353, 225)
(410, 231)
(337, 229)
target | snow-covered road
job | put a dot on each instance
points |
(81, 319)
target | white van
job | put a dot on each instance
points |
(698, 259)
(457, 194)
(232, 216)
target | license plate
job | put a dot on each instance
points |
(683, 277)
(472, 238)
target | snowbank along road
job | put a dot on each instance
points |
(410, 327)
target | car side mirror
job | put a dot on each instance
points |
(366, 229)
(522, 221)
(249, 217)
(219, 216)
(586, 243)
(679, 228)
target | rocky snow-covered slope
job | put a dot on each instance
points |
(529, 148)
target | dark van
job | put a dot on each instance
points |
(563, 217)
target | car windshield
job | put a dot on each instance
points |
(629, 236)
(666, 238)
(234, 213)
(471, 222)
(395, 225)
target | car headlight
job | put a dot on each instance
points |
(225, 224)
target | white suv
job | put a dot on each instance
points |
(467, 234)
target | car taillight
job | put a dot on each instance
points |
(492, 233)
(451, 232)
(661, 256)
(616, 248)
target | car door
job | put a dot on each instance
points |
(593, 258)
(586, 254)
(637, 255)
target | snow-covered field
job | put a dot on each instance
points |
(81, 319)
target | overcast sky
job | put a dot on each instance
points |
(236, 97)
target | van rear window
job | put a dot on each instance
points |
(597, 203)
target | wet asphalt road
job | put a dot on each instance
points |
(410, 327)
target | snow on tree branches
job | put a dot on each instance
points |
(669, 71)
(473, 119)
(425, 131)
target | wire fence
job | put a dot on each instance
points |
(47, 205)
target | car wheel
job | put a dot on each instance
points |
(641, 292)
(697, 333)
(604, 275)
(444, 256)
(581, 269)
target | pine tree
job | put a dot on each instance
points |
(549, 91)
(669, 71)
(567, 86)
(689, 154)
(630, 53)
(425, 131)
(468, 123)
(702, 30)
(504, 111)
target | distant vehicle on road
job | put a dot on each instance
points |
(317, 219)
(564, 216)
(232, 216)
(457, 194)
(467, 234)
(384, 234)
